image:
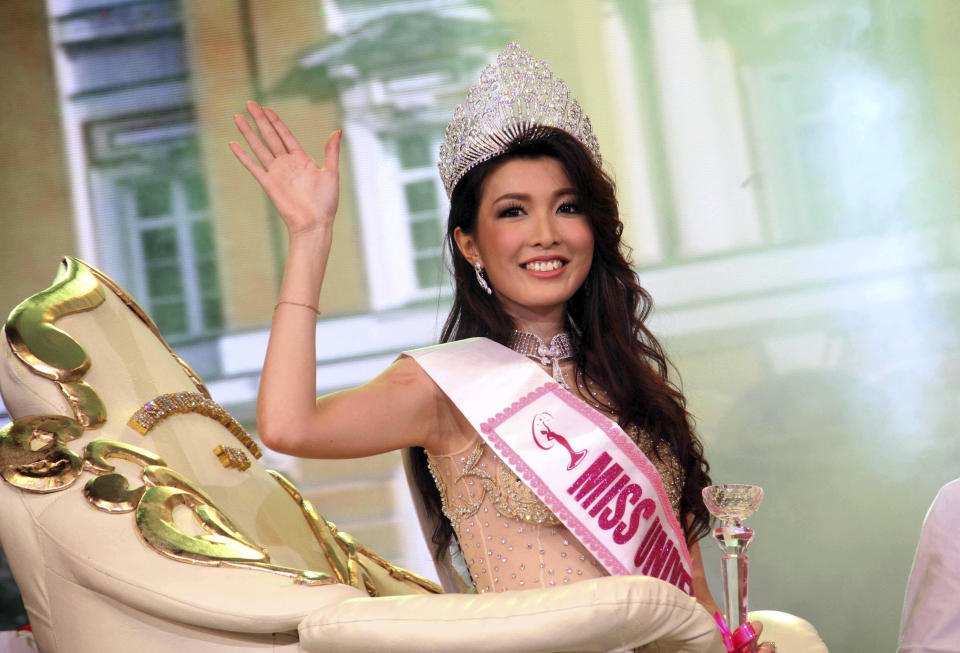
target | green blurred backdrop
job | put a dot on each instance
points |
(788, 174)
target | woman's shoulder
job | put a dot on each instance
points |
(405, 370)
(451, 431)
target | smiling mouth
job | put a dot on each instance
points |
(544, 266)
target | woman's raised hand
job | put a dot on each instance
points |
(304, 194)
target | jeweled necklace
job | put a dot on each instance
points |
(532, 345)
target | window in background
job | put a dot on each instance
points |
(425, 203)
(124, 78)
(172, 245)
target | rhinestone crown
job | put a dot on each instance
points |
(514, 97)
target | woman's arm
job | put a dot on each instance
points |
(395, 410)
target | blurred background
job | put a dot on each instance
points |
(787, 172)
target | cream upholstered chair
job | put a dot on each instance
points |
(135, 516)
(189, 544)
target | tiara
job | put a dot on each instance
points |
(514, 97)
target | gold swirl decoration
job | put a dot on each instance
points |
(221, 544)
(89, 410)
(34, 339)
(355, 549)
(343, 551)
(109, 491)
(33, 456)
(50, 352)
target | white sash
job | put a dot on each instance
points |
(577, 461)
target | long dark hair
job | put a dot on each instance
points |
(615, 350)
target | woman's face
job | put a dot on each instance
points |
(531, 237)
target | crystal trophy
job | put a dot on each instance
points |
(731, 504)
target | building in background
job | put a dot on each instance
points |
(786, 171)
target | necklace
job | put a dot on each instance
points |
(532, 345)
(560, 348)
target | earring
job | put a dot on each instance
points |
(483, 282)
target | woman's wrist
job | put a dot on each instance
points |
(306, 262)
(314, 244)
(313, 235)
(301, 304)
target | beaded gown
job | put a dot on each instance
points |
(509, 538)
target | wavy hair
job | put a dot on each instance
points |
(616, 351)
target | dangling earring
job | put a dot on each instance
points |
(483, 282)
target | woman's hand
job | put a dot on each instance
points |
(764, 647)
(304, 194)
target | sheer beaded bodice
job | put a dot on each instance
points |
(509, 538)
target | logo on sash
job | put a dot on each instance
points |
(544, 436)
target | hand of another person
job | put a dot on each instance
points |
(305, 195)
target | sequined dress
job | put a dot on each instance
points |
(509, 538)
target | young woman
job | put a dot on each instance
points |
(534, 239)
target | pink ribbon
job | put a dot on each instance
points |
(739, 641)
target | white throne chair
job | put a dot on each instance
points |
(135, 515)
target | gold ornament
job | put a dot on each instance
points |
(221, 545)
(154, 501)
(86, 404)
(344, 552)
(325, 537)
(49, 351)
(109, 491)
(232, 457)
(52, 353)
(44, 348)
(181, 403)
(33, 456)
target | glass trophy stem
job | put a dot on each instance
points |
(733, 541)
(734, 576)
(731, 503)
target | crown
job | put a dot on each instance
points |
(515, 95)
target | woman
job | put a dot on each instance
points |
(534, 236)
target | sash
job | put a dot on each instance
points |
(576, 460)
